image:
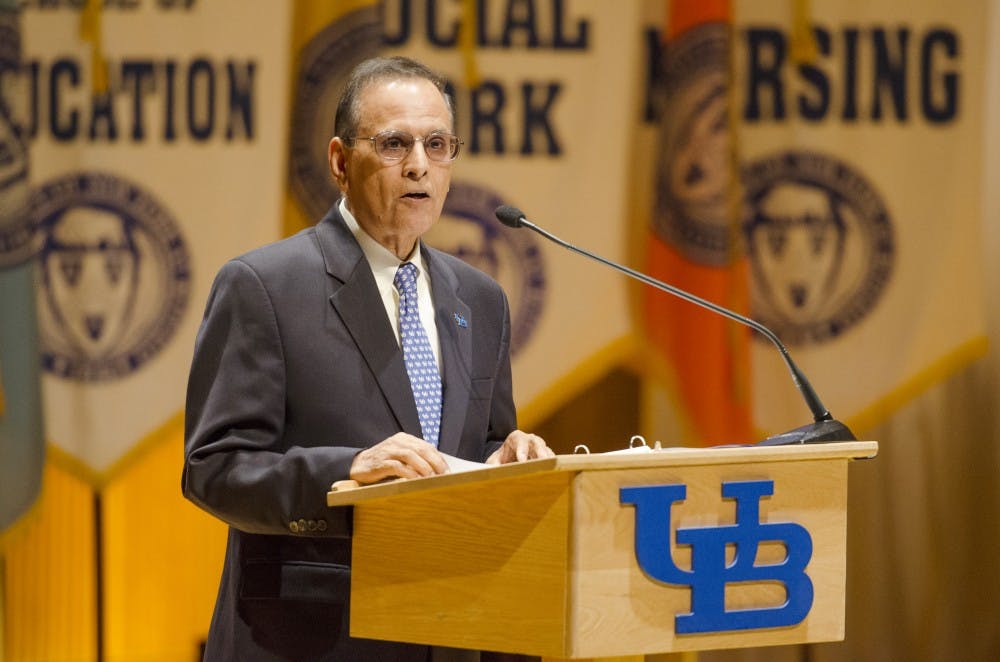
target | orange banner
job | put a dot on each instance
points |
(694, 240)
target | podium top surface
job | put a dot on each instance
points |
(668, 457)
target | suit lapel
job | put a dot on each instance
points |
(357, 302)
(456, 348)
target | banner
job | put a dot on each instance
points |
(157, 138)
(529, 142)
(21, 430)
(21, 434)
(329, 38)
(862, 169)
(141, 189)
(867, 267)
(694, 240)
(547, 123)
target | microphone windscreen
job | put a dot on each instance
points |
(509, 216)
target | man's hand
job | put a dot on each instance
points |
(520, 446)
(401, 455)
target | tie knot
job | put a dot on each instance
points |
(405, 280)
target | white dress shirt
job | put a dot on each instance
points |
(384, 263)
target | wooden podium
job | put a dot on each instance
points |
(540, 557)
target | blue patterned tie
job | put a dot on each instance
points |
(425, 380)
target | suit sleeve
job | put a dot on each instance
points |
(237, 465)
(503, 415)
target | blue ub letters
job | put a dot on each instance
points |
(709, 573)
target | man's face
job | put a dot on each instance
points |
(395, 202)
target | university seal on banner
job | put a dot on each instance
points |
(821, 245)
(695, 169)
(468, 229)
(17, 232)
(115, 276)
(324, 65)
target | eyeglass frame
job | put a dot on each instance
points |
(453, 140)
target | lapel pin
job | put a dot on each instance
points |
(460, 320)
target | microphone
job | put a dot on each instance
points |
(824, 427)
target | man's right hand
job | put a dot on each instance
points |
(401, 455)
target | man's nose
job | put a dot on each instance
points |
(415, 163)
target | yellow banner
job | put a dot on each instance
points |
(860, 137)
(140, 193)
(546, 124)
(863, 177)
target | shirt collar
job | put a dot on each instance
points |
(380, 258)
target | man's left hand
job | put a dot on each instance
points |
(520, 446)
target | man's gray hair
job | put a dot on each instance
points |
(379, 70)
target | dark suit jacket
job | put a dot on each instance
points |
(296, 368)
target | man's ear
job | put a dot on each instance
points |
(337, 157)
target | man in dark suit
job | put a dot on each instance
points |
(326, 356)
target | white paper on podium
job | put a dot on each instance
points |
(458, 465)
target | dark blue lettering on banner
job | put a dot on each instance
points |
(199, 100)
(502, 24)
(710, 571)
(874, 74)
(906, 74)
(496, 116)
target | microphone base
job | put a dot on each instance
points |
(821, 432)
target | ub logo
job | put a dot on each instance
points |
(710, 571)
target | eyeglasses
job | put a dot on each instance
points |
(393, 146)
